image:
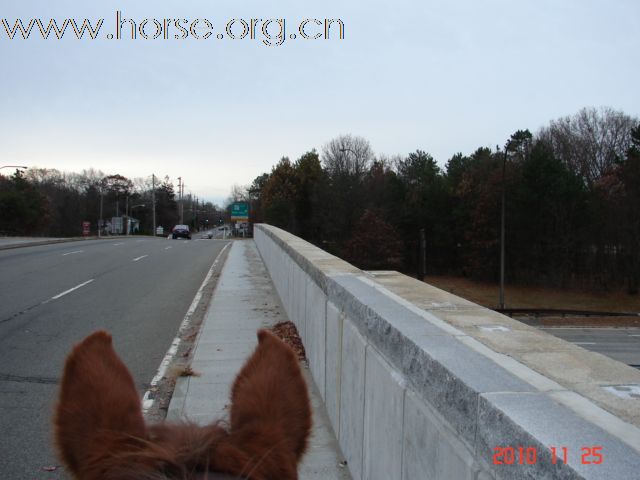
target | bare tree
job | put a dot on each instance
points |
(142, 184)
(347, 155)
(591, 141)
(45, 176)
(118, 184)
(119, 187)
(238, 194)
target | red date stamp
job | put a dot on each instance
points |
(508, 455)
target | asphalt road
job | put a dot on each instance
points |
(53, 296)
(622, 344)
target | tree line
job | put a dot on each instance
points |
(572, 204)
(48, 202)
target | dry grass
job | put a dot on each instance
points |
(487, 294)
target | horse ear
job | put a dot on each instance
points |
(99, 413)
(270, 414)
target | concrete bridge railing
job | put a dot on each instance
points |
(421, 384)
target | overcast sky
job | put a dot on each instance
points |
(441, 76)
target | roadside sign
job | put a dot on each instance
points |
(240, 212)
(86, 226)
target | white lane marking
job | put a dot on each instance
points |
(584, 343)
(139, 258)
(71, 289)
(147, 400)
(118, 243)
(573, 329)
(494, 328)
(629, 392)
(71, 253)
(167, 248)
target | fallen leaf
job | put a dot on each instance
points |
(288, 333)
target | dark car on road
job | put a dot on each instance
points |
(181, 231)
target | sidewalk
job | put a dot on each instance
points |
(244, 301)
(18, 242)
(7, 243)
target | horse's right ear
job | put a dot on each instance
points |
(270, 414)
(99, 413)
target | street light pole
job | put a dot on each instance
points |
(502, 226)
(347, 149)
(12, 166)
(355, 158)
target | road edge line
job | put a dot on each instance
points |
(147, 399)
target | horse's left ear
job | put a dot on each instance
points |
(99, 413)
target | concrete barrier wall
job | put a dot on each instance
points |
(421, 384)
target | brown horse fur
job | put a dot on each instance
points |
(101, 434)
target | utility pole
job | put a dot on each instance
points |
(423, 255)
(101, 221)
(153, 202)
(180, 198)
(194, 213)
(182, 203)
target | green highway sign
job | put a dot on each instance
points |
(240, 211)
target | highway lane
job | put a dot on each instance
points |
(52, 296)
(622, 344)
